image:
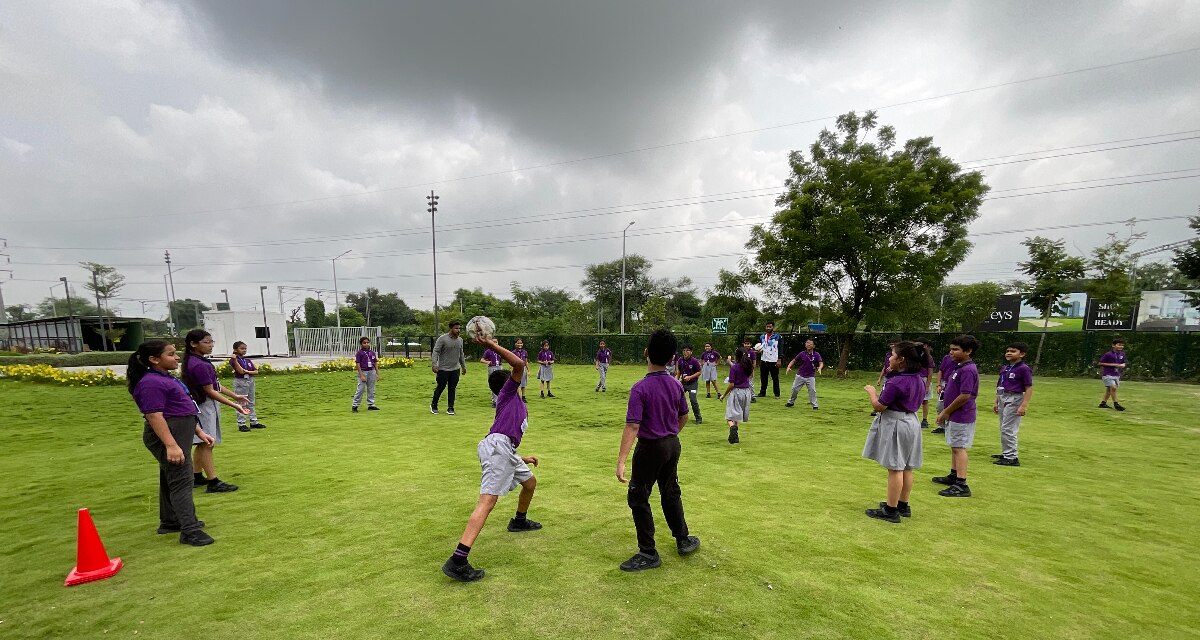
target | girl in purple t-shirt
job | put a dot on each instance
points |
(894, 440)
(546, 368)
(201, 378)
(738, 394)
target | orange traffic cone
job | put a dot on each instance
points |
(91, 561)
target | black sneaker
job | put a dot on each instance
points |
(524, 399)
(243, 428)
(947, 480)
(257, 425)
(1118, 407)
(880, 514)
(199, 482)
(543, 394)
(550, 395)
(905, 512)
(939, 430)
(815, 407)
(372, 408)
(1007, 462)
(718, 395)
(597, 389)
(196, 538)
(433, 410)
(449, 412)
(753, 399)
(462, 572)
(1103, 405)
(707, 395)
(515, 525)
(733, 435)
(789, 404)
(687, 545)
(603, 389)
(641, 562)
(221, 487)
(699, 420)
(174, 528)
(355, 410)
(924, 424)
(956, 491)
(874, 413)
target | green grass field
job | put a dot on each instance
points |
(343, 521)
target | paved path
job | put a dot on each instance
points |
(277, 363)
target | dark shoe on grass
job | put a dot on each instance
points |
(372, 408)
(733, 435)
(641, 562)
(462, 572)
(199, 482)
(355, 410)
(789, 404)
(257, 425)
(956, 491)
(880, 514)
(550, 395)
(947, 480)
(1007, 462)
(924, 424)
(939, 430)
(243, 428)
(196, 538)
(515, 525)
(221, 487)
(449, 412)
(433, 410)
(905, 512)
(174, 528)
(1118, 407)
(687, 545)
(1103, 405)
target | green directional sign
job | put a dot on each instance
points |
(720, 325)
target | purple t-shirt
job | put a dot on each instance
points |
(522, 354)
(1113, 357)
(928, 368)
(493, 358)
(947, 363)
(904, 392)
(366, 359)
(808, 362)
(964, 378)
(246, 364)
(604, 356)
(161, 392)
(738, 377)
(546, 355)
(1015, 378)
(887, 362)
(199, 373)
(655, 404)
(688, 366)
(512, 417)
(710, 356)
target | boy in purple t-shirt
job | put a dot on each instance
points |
(1113, 364)
(944, 371)
(1013, 392)
(958, 418)
(503, 469)
(603, 360)
(366, 367)
(656, 413)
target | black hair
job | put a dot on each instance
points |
(237, 344)
(742, 356)
(708, 344)
(915, 355)
(688, 347)
(929, 362)
(496, 380)
(139, 361)
(966, 343)
(454, 323)
(362, 340)
(1117, 341)
(769, 322)
(195, 335)
(661, 347)
(545, 343)
(1019, 346)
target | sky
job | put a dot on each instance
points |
(257, 141)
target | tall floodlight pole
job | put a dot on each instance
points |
(337, 299)
(432, 209)
(262, 296)
(623, 276)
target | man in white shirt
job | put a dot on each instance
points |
(768, 360)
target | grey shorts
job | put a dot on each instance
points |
(1111, 381)
(210, 420)
(737, 405)
(503, 469)
(545, 372)
(960, 435)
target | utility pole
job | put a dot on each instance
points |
(99, 309)
(623, 276)
(432, 209)
(70, 311)
(262, 296)
(337, 298)
(7, 261)
(280, 290)
(171, 295)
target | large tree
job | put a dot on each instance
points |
(105, 282)
(862, 220)
(18, 313)
(1112, 274)
(1156, 276)
(188, 314)
(969, 305)
(603, 283)
(1187, 260)
(1053, 273)
(383, 310)
(78, 306)
(314, 313)
(731, 298)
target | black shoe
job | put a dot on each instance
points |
(641, 562)
(174, 528)
(699, 420)
(462, 572)
(905, 512)
(543, 395)
(515, 525)
(220, 487)
(597, 389)
(372, 408)
(524, 399)
(753, 399)
(718, 395)
(956, 491)
(790, 404)
(550, 395)
(924, 424)
(355, 410)
(947, 480)
(196, 538)
(243, 428)
(707, 395)
(603, 389)
(1007, 462)
(814, 407)
(687, 545)
(449, 412)
(939, 430)
(257, 425)
(880, 514)
(874, 413)
(433, 410)
(1118, 407)
(1103, 405)
(733, 435)
(199, 482)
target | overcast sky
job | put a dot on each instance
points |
(257, 140)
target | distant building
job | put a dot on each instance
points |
(70, 334)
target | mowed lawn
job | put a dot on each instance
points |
(343, 520)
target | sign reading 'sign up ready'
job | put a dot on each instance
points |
(1102, 316)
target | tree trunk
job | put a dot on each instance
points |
(844, 354)
(1037, 361)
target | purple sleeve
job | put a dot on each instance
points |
(150, 399)
(1108, 357)
(205, 374)
(968, 381)
(1027, 377)
(890, 394)
(817, 359)
(633, 414)
(682, 408)
(509, 388)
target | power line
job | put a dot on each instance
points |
(1080, 153)
(1081, 146)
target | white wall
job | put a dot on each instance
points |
(228, 327)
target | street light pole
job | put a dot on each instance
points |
(262, 296)
(70, 311)
(170, 293)
(432, 209)
(337, 298)
(623, 276)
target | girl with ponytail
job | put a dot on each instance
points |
(201, 378)
(170, 428)
(738, 394)
(894, 440)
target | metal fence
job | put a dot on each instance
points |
(333, 342)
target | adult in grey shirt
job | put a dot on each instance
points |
(449, 362)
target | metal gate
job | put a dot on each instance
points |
(334, 342)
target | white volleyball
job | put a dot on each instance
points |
(481, 326)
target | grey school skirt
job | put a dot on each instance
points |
(210, 420)
(894, 441)
(737, 404)
(545, 372)
(708, 372)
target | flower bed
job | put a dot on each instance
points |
(46, 374)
